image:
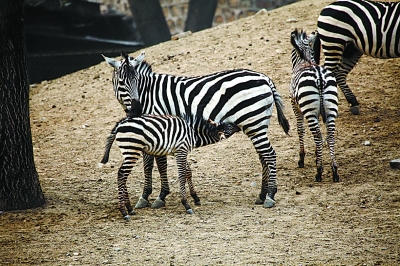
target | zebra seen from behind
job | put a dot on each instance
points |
(313, 93)
(159, 135)
(241, 97)
(350, 28)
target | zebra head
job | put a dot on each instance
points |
(306, 49)
(224, 130)
(125, 79)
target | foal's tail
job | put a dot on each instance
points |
(109, 143)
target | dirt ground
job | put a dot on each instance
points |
(354, 222)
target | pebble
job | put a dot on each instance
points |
(395, 164)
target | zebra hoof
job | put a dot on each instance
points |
(158, 203)
(259, 201)
(189, 211)
(142, 203)
(355, 110)
(269, 203)
(198, 203)
(127, 218)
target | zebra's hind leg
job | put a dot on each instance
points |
(123, 196)
(300, 131)
(181, 161)
(330, 125)
(148, 163)
(267, 158)
(162, 169)
(350, 57)
(316, 131)
(191, 187)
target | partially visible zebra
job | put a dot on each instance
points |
(313, 93)
(241, 97)
(350, 28)
(159, 136)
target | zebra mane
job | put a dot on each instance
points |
(306, 47)
(144, 68)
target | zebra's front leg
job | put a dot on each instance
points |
(191, 187)
(148, 163)
(181, 161)
(316, 131)
(267, 158)
(162, 169)
(123, 196)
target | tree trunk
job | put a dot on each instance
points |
(19, 184)
(200, 15)
(150, 21)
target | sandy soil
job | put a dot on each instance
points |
(354, 222)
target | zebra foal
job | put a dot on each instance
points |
(241, 97)
(313, 94)
(159, 136)
(350, 28)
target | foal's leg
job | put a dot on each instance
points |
(181, 161)
(123, 196)
(300, 131)
(148, 162)
(191, 187)
(330, 125)
(316, 131)
(162, 169)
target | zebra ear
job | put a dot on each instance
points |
(139, 59)
(317, 48)
(112, 62)
(293, 41)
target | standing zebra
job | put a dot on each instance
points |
(350, 28)
(159, 136)
(313, 93)
(242, 97)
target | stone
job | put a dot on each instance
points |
(395, 164)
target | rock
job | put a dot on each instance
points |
(395, 164)
(261, 12)
(181, 35)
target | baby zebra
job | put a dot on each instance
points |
(313, 93)
(158, 135)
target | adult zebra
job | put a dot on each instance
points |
(313, 94)
(350, 28)
(159, 135)
(241, 97)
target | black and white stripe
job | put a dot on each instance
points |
(241, 97)
(313, 93)
(159, 135)
(350, 28)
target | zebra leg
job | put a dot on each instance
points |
(267, 158)
(148, 162)
(181, 161)
(300, 132)
(123, 196)
(191, 187)
(316, 131)
(162, 169)
(351, 55)
(330, 125)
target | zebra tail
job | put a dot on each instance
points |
(281, 116)
(109, 142)
(322, 111)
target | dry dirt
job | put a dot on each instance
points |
(354, 222)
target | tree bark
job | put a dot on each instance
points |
(150, 21)
(19, 184)
(200, 15)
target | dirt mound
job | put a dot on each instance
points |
(355, 221)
